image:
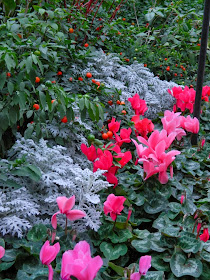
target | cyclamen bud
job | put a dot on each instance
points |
(182, 199)
(203, 142)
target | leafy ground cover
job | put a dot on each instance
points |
(86, 128)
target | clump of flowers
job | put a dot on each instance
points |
(78, 263)
(185, 98)
(114, 206)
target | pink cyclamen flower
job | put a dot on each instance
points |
(65, 205)
(48, 254)
(205, 235)
(78, 263)
(89, 152)
(114, 205)
(191, 124)
(182, 199)
(2, 252)
(144, 266)
(138, 104)
(114, 126)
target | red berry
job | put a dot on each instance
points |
(37, 80)
(110, 102)
(110, 134)
(118, 102)
(70, 79)
(105, 136)
(88, 75)
(98, 83)
(64, 119)
(8, 74)
(145, 65)
(168, 68)
(52, 101)
(36, 106)
(80, 79)
(59, 73)
(53, 82)
(86, 45)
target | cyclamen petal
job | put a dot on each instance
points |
(48, 253)
(69, 204)
(75, 215)
(135, 276)
(144, 264)
(2, 252)
(54, 220)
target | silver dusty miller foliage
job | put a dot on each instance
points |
(130, 79)
(36, 202)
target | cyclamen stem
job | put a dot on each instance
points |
(66, 226)
(114, 223)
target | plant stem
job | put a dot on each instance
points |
(66, 226)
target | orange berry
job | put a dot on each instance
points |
(127, 59)
(118, 102)
(80, 79)
(36, 106)
(118, 33)
(53, 82)
(110, 134)
(161, 65)
(8, 74)
(70, 79)
(120, 53)
(123, 19)
(175, 74)
(123, 112)
(122, 103)
(181, 75)
(166, 59)
(98, 83)
(71, 30)
(59, 73)
(105, 136)
(64, 119)
(145, 65)
(94, 81)
(168, 68)
(110, 102)
(198, 44)
(183, 68)
(37, 80)
(86, 45)
(52, 101)
(88, 75)
(132, 23)
(19, 35)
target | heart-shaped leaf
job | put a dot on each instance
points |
(189, 243)
(142, 246)
(120, 236)
(113, 253)
(37, 233)
(181, 265)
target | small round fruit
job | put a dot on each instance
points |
(86, 45)
(80, 79)
(120, 53)
(145, 65)
(37, 80)
(168, 68)
(98, 83)
(53, 82)
(64, 119)
(110, 102)
(118, 102)
(134, 58)
(88, 75)
(123, 112)
(136, 50)
(110, 134)
(123, 19)
(94, 81)
(105, 136)
(8, 74)
(36, 106)
(122, 103)
(60, 73)
(37, 53)
(70, 79)
(91, 137)
(48, 83)
(52, 101)
(71, 30)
